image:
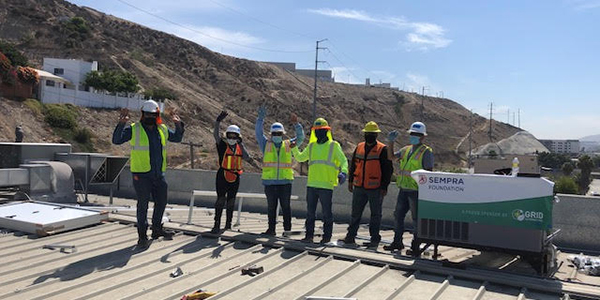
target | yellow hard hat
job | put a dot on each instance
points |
(321, 123)
(371, 127)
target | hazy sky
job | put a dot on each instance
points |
(539, 57)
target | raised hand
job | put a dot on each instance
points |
(293, 118)
(262, 112)
(124, 115)
(392, 135)
(222, 116)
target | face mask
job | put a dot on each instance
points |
(370, 138)
(414, 140)
(321, 135)
(232, 142)
(276, 139)
(149, 121)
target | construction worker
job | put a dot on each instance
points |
(415, 156)
(369, 177)
(148, 138)
(277, 172)
(231, 151)
(327, 167)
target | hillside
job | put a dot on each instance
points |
(208, 82)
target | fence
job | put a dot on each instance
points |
(52, 94)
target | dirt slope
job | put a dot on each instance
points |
(208, 82)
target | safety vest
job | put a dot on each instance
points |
(408, 164)
(367, 167)
(277, 165)
(322, 168)
(140, 148)
(232, 163)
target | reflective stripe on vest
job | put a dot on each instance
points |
(140, 148)
(277, 163)
(409, 163)
(232, 163)
(367, 170)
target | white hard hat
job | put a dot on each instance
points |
(418, 127)
(277, 127)
(150, 106)
(233, 129)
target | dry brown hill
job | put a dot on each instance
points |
(208, 82)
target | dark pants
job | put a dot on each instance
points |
(407, 200)
(360, 197)
(226, 192)
(313, 195)
(281, 192)
(146, 188)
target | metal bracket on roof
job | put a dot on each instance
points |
(63, 248)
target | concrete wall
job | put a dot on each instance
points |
(182, 182)
(57, 94)
(578, 217)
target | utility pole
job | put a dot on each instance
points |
(192, 145)
(508, 116)
(491, 115)
(470, 162)
(519, 113)
(422, 104)
(315, 89)
(514, 123)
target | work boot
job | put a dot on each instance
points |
(393, 246)
(270, 232)
(142, 242)
(347, 241)
(158, 232)
(307, 239)
(372, 244)
(325, 240)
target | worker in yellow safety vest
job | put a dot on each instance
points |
(327, 167)
(148, 139)
(415, 156)
(231, 152)
(277, 172)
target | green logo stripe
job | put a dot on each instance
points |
(534, 213)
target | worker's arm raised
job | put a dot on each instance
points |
(390, 144)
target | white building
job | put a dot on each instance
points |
(562, 146)
(73, 70)
(61, 81)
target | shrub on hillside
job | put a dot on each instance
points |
(5, 67)
(82, 135)
(28, 75)
(160, 94)
(15, 56)
(112, 81)
(60, 116)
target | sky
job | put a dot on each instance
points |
(538, 58)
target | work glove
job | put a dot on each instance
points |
(392, 136)
(341, 178)
(262, 112)
(222, 116)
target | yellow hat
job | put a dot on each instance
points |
(371, 127)
(321, 123)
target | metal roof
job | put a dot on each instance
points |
(106, 265)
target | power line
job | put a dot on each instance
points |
(343, 65)
(261, 21)
(208, 35)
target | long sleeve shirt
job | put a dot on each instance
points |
(262, 140)
(386, 166)
(122, 134)
(325, 180)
